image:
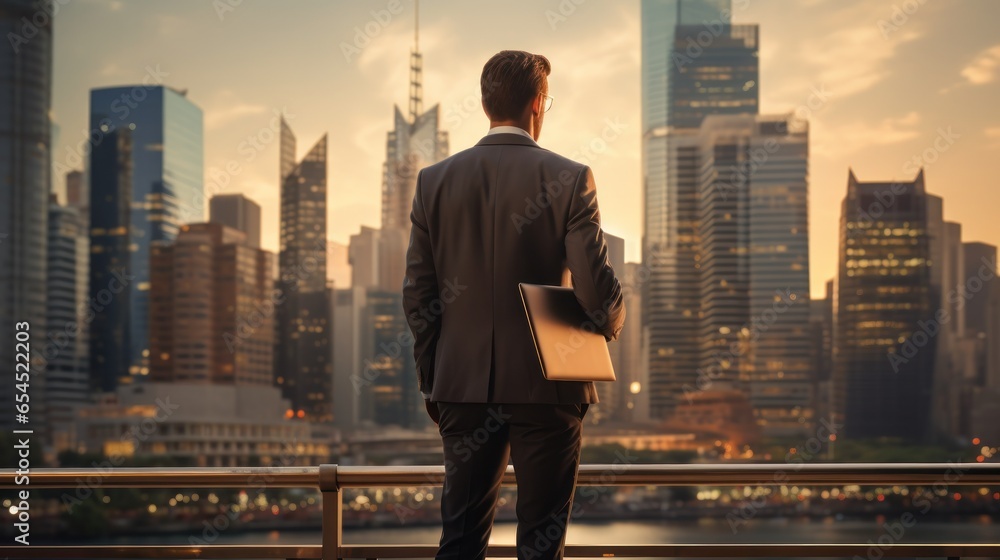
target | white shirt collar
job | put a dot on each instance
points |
(510, 130)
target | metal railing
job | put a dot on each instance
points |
(330, 479)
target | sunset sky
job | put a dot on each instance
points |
(885, 90)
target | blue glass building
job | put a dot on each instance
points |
(146, 180)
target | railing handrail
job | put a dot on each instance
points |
(331, 478)
(681, 550)
(344, 476)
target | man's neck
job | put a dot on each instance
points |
(523, 125)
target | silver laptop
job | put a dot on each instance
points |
(570, 347)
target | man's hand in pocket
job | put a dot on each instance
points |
(432, 410)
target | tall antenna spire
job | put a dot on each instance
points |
(416, 69)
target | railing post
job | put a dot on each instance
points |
(332, 504)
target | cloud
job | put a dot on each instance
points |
(852, 60)
(984, 68)
(227, 106)
(846, 55)
(215, 118)
(840, 140)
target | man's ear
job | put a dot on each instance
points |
(536, 105)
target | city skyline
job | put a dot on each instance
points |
(857, 117)
(720, 250)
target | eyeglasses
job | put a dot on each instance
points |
(548, 103)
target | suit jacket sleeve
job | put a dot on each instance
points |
(594, 282)
(420, 289)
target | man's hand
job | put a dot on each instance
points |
(432, 410)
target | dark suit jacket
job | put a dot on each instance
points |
(502, 212)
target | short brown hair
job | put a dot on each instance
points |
(510, 80)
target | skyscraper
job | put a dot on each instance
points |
(363, 255)
(373, 364)
(146, 180)
(303, 369)
(612, 395)
(350, 378)
(679, 88)
(338, 265)
(211, 309)
(821, 334)
(660, 19)
(76, 196)
(390, 392)
(754, 265)
(992, 380)
(238, 212)
(415, 142)
(65, 346)
(25, 183)
(950, 357)
(884, 354)
(633, 375)
(980, 294)
(978, 257)
(110, 260)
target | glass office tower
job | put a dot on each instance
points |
(884, 295)
(146, 180)
(754, 265)
(659, 21)
(303, 361)
(682, 84)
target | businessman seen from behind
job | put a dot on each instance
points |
(502, 212)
